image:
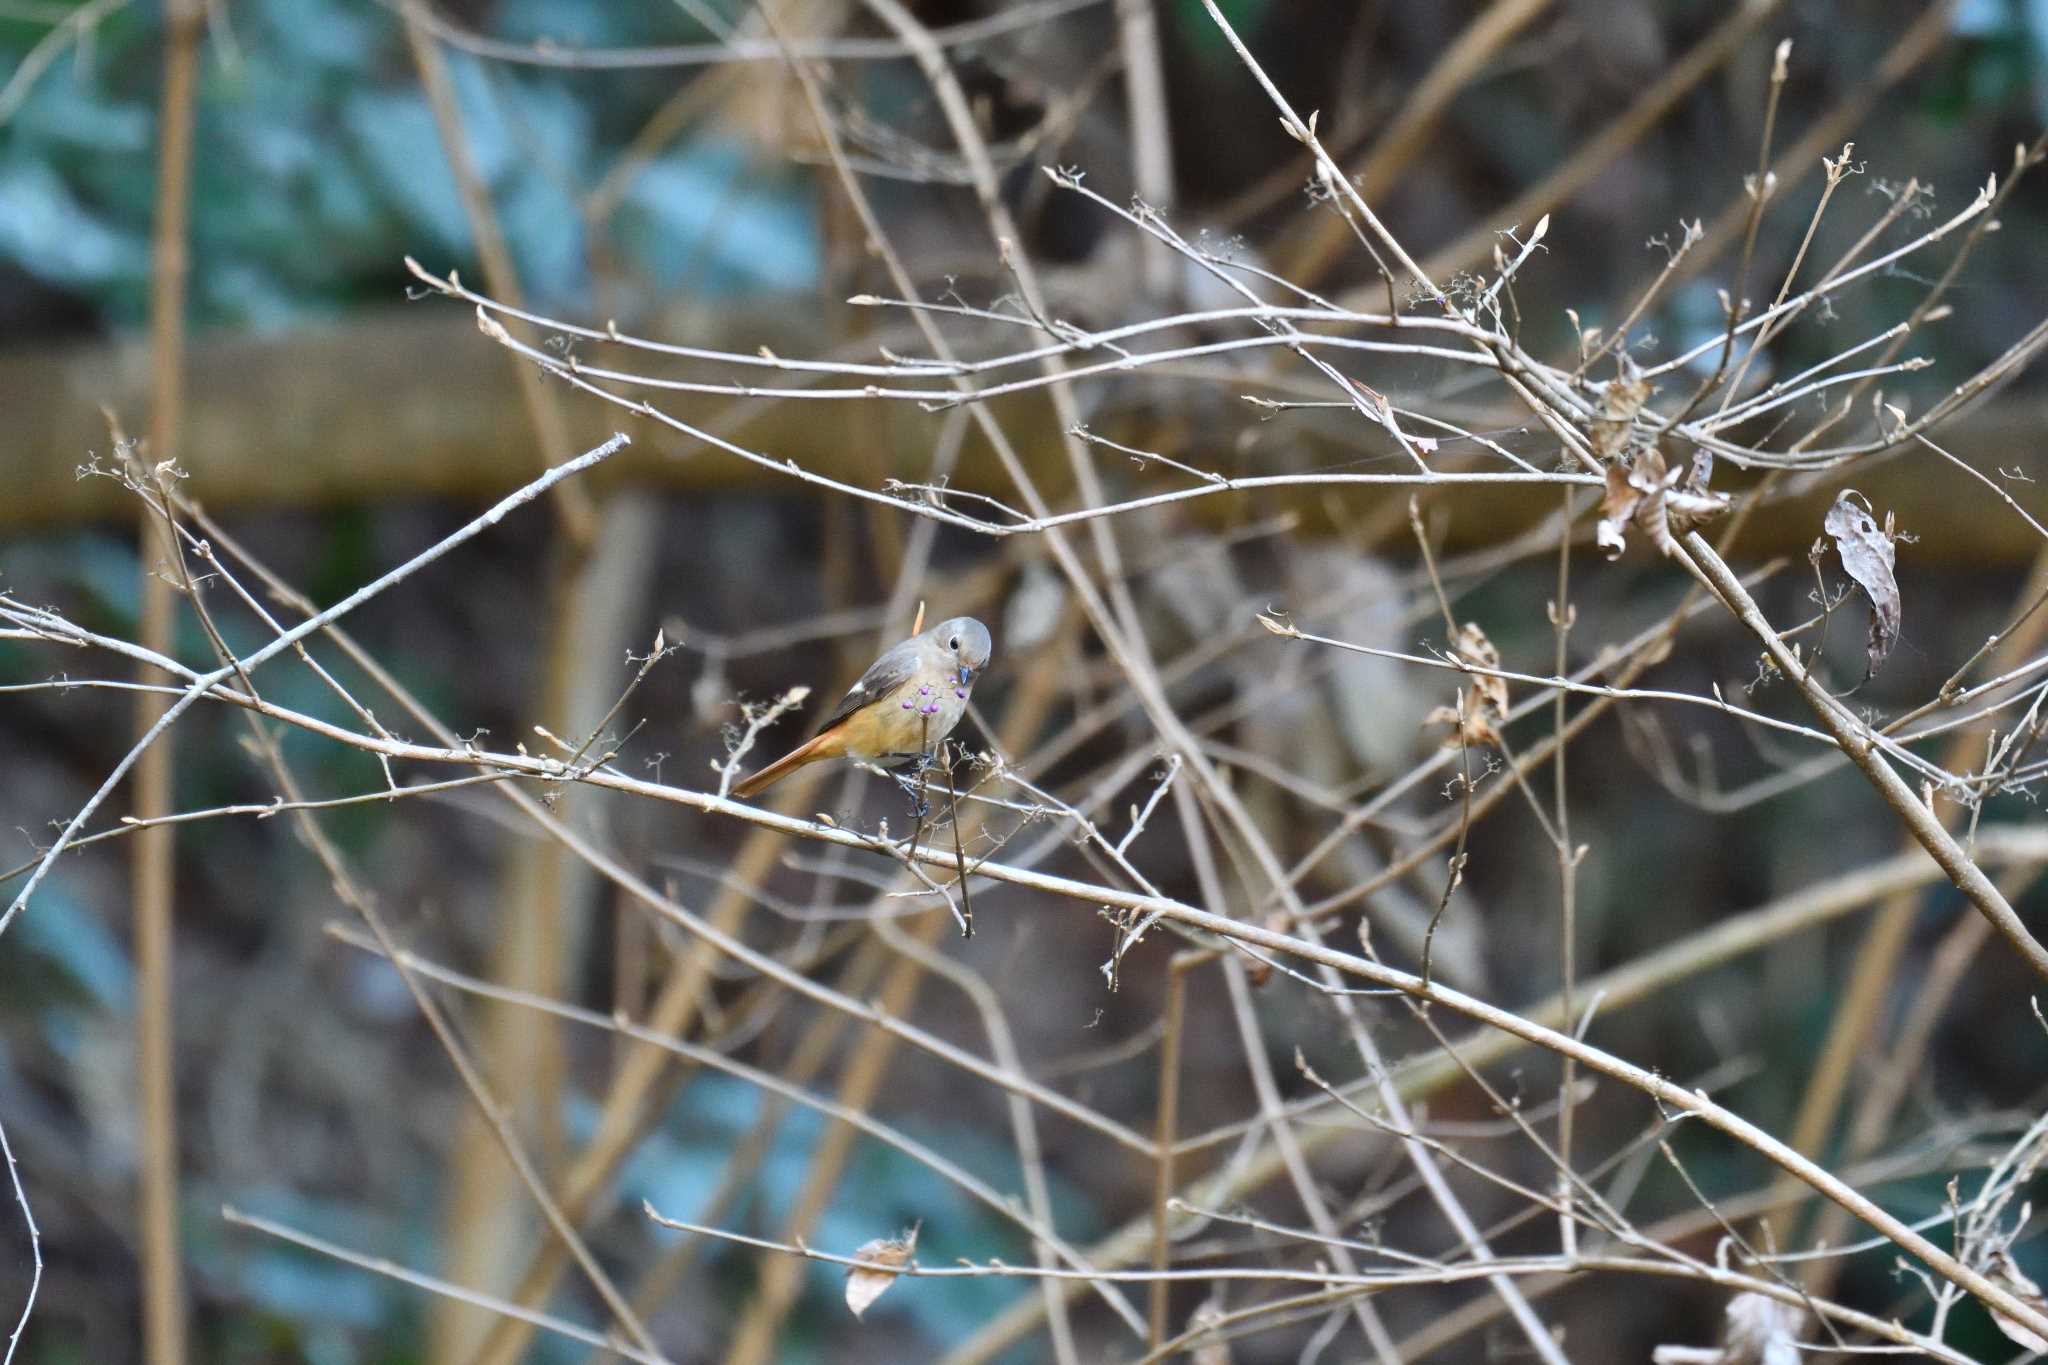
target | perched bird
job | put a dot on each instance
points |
(907, 701)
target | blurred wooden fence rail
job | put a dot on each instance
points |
(415, 403)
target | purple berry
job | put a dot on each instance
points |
(907, 705)
(961, 693)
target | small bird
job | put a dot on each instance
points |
(907, 701)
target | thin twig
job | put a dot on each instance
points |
(35, 1249)
(377, 1265)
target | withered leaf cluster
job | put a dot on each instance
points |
(1664, 503)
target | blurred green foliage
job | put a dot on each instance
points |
(320, 167)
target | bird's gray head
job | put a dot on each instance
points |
(966, 643)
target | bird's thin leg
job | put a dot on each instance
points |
(913, 785)
(916, 784)
(959, 855)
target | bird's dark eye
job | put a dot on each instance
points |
(953, 644)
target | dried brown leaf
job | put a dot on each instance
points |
(1609, 438)
(1482, 702)
(1868, 555)
(1620, 401)
(1665, 503)
(1474, 648)
(1617, 509)
(885, 1256)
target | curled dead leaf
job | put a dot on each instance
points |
(1869, 555)
(1481, 702)
(883, 1258)
(1620, 401)
(1665, 503)
(1474, 648)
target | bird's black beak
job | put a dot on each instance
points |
(966, 676)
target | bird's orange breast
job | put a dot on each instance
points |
(910, 720)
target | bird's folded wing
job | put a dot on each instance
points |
(895, 668)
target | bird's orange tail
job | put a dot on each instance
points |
(811, 751)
